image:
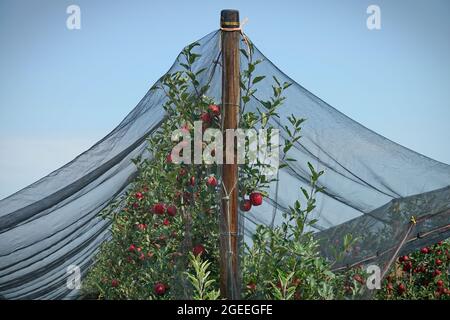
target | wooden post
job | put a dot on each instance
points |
(229, 253)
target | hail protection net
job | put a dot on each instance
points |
(389, 198)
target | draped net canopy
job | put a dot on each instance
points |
(391, 199)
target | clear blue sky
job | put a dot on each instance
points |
(62, 90)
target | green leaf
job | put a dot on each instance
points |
(244, 52)
(251, 67)
(193, 57)
(276, 80)
(258, 79)
(305, 193)
(286, 85)
(200, 71)
(184, 65)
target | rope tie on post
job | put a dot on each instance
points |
(240, 29)
(227, 199)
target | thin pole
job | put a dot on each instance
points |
(229, 253)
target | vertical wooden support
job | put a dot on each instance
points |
(229, 253)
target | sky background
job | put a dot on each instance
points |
(62, 90)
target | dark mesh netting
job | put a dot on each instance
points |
(388, 197)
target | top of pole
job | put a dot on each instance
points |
(229, 19)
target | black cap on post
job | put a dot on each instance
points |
(229, 19)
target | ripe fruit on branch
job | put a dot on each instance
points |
(185, 128)
(358, 278)
(182, 172)
(205, 117)
(407, 266)
(166, 222)
(132, 248)
(139, 195)
(192, 181)
(159, 289)
(440, 283)
(211, 181)
(401, 288)
(296, 281)
(169, 158)
(348, 289)
(214, 109)
(246, 205)
(142, 226)
(403, 258)
(158, 208)
(438, 262)
(437, 273)
(251, 286)
(425, 250)
(390, 287)
(256, 198)
(114, 283)
(198, 249)
(171, 210)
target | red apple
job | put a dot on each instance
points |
(401, 288)
(159, 289)
(251, 286)
(246, 205)
(158, 208)
(171, 210)
(358, 278)
(185, 128)
(214, 109)
(139, 195)
(296, 281)
(198, 249)
(390, 287)
(256, 198)
(211, 181)
(205, 117)
(407, 266)
(142, 226)
(114, 283)
(437, 273)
